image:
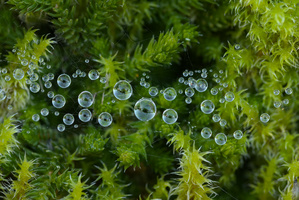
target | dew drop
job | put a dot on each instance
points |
(170, 93)
(276, 92)
(285, 101)
(289, 91)
(206, 132)
(207, 107)
(103, 80)
(44, 112)
(189, 92)
(48, 84)
(34, 87)
(201, 85)
(188, 100)
(85, 115)
(214, 91)
(58, 101)
(64, 80)
(105, 119)
(93, 74)
(145, 109)
(220, 139)
(35, 117)
(222, 122)
(238, 134)
(153, 91)
(85, 99)
(68, 119)
(277, 104)
(265, 117)
(229, 96)
(170, 116)
(61, 127)
(18, 74)
(50, 94)
(122, 90)
(2, 95)
(216, 118)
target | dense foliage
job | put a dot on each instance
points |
(246, 50)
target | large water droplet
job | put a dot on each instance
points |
(206, 132)
(18, 74)
(105, 119)
(189, 92)
(201, 85)
(169, 93)
(85, 99)
(64, 80)
(34, 87)
(61, 127)
(238, 134)
(207, 107)
(265, 117)
(289, 91)
(122, 90)
(170, 116)
(68, 119)
(58, 101)
(229, 96)
(220, 139)
(85, 115)
(93, 74)
(145, 109)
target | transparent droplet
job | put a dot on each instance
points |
(56, 113)
(147, 85)
(181, 80)
(222, 122)
(206, 132)
(201, 85)
(237, 47)
(85, 99)
(265, 117)
(58, 101)
(153, 91)
(142, 83)
(83, 74)
(204, 75)
(207, 107)
(170, 93)
(238, 134)
(51, 76)
(78, 71)
(76, 126)
(277, 104)
(188, 100)
(74, 75)
(86, 60)
(221, 100)
(229, 96)
(285, 101)
(192, 82)
(44, 112)
(122, 90)
(4, 71)
(215, 75)
(289, 91)
(45, 78)
(28, 82)
(85, 115)
(9, 107)
(185, 73)
(145, 109)
(180, 91)
(225, 85)
(170, 116)
(93, 74)
(7, 78)
(34, 77)
(64, 80)
(276, 92)
(61, 127)
(190, 73)
(18, 74)
(220, 139)
(50, 94)
(216, 118)
(2, 95)
(68, 119)
(48, 84)
(35, 117)
(220, 71)
(105, 119)
(34, 87)
(214, 91)
(24, 62)
(189, 92)
(103, 80)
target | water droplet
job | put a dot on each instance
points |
(147, 85)
(216, 118)
(222, 122)
(190, 73)
(48, 84)
(206, 132)
(76, 126)
(170, 116)
(103, 80)
(169, 93)
(28, 82)
(58, 101)
(201, 85)
(51, 76)
(221, 100)
(265, 117)
(24, 62)
(185, 73)
(180, 91)
(93, 74)
(85, 99)
(34, 77)
(238, 134)
(9, 107)
(285, 101)
(145, 109)
(237, 47)
(86, 60)
(215, 75)
(7, 78)
(50, 94)
(181, 80)
(34, 87)
(74, 75)
(2, 95)
(64, 80)
(45, 78)
(105, 119)
(188, 100)
(220, 71)
(44, 112)
(229, 96)
(35, 117)
(276, 92)
(4, 71)
(214, 91)
(189, 92)
(289, 91)
(61, 127)
(220, 139)
(207, 107)
(192, 82)
(18, 74)
(204, 75)
(122, 90)
(84, 115)
(68, 119)
(153, 91)
(277, 104)
(56, 113)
